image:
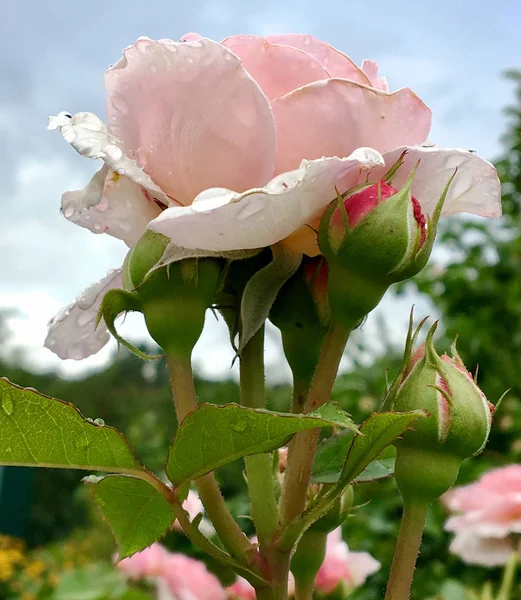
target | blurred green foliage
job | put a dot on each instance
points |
(474, 284)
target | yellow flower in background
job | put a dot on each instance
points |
(35, 569)
(11, 556)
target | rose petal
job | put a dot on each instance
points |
(221, 219)
(370, 68)
(112, 204)
(475, 189)
(333, 117)
(72, 332)
(277, 69)
(88, 135)
(474, 550)
(192, 116)
(335, 62)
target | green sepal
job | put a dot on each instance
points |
(412, 335)
(114, 303)
(424, 253)
(262, 289)
(174, 300)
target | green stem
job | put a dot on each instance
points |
(304, 589)
(302, 447)
(200, 540)
(185, 400)
(279, 572)
(259, 471)
(509, 575)
(300, 395)
(407, 549)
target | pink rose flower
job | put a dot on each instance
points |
(487, 513)
(150, 562)
(240, 145)
(341, 566)
(177, 577)
(241, 590)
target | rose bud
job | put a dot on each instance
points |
(173, 299)
(373, 236)
(429, 455)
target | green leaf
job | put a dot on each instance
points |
(330, 458)
(136, 512)
(335, 415)
(212, 436)
(39, 431)
(381, 467)
(95, 582)
(378, 431)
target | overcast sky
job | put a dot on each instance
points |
(54, 55)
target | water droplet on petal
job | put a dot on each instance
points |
(7, 403)
(307, 40)
(97, 227)
(68, 211)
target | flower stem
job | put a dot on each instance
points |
(407, 549)
(199, 539)
(300, 395)
(509, 574)
(185, 401)
(303, 446)
(258, 466)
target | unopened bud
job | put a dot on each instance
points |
(429, 455)
(173, 299)
(373, 236)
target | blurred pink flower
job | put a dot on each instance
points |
(488, 512)
(150, 562)
(240, 590)
(240, 145)
(177, 577)
(341, 566)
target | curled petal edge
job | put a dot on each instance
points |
(221, 219)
